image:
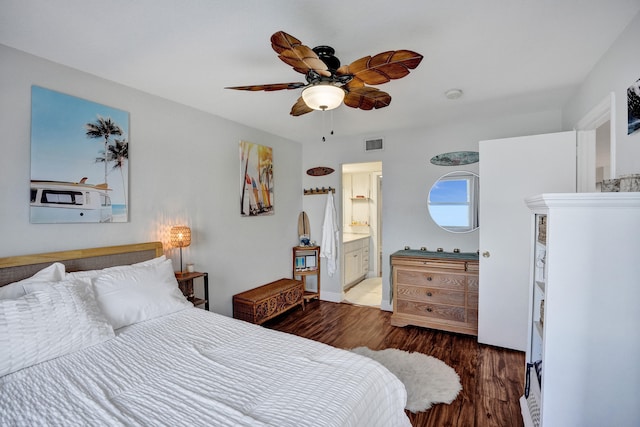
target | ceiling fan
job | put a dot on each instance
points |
(328, 83)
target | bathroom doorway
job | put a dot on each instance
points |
(596, 147)
(361, 233)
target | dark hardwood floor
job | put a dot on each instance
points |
(492, 377)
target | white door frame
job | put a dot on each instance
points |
(586, 144)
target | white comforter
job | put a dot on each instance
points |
(198, 368)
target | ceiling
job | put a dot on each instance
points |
(507, 56)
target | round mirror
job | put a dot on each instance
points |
(453, 201)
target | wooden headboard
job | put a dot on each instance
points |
(20, 267)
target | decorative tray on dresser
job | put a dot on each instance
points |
(436, 290)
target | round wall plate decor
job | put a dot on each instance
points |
(319, 171)
(456, 158)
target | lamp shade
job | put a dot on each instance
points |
(323, 96)
(180, 236)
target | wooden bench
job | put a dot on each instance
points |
(267, 301)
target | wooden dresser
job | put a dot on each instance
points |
(435, 290)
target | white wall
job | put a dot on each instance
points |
(184, 168)
(407, 177)
(615, 72)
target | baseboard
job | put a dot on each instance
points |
(331, 296)
(386, 305)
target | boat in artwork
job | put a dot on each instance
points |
(70, 202)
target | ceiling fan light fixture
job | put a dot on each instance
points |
(323, 96)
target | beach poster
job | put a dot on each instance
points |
(256, 179)
(79, 160)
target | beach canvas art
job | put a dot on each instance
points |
(256, 179)
(79, 160)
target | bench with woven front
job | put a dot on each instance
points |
(267, 301)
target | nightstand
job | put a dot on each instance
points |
(185, 282)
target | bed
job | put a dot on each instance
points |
(100, 337)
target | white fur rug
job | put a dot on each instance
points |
(427, 380)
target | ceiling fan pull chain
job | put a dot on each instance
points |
(331, 122)
(324, 127)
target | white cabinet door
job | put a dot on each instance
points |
(512, 169)
(352, 265)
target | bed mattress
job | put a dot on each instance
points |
(194, 367)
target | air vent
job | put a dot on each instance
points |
(375, 144)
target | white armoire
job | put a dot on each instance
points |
(584, 310)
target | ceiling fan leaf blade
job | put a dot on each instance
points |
(284, 86)
(354, 84)
(408, 58)
(303, 59)
(385, 66)
(343, 70)
(269, 87)
(292, 52)
(358, 65)
(367, 98)
(380, 59)
(373, 77)
(282, 41)
(300, 108)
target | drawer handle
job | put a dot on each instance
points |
(429, 309)
(429, 294)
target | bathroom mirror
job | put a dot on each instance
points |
(453, 201)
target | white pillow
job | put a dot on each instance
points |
(95, 273)
(140, 293)
(53, 273)
(49, 323)
(154, 261)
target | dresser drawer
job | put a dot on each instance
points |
(433, 311)
(472, 300)
(430, 263)
(430, 279)
(472, 318)
(473, 267)
(472, 283)
(431, 295)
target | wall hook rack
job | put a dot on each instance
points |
(311, 191)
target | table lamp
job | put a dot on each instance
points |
(181, 238)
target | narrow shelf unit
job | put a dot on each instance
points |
(306, 262)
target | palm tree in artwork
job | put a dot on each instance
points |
(103, 128)
(118, 154)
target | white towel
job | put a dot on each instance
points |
(329, 246)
